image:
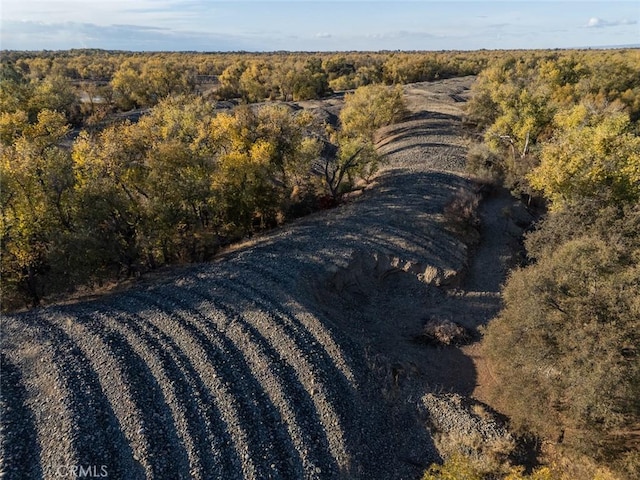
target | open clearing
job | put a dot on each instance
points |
(291, 357)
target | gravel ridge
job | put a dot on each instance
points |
(290, 358)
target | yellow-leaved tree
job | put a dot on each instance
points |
(365, 111)
(36, 205)
(594, 156)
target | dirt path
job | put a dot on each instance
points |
(293, 357)
(503, 219)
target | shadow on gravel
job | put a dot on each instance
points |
(441, 129)
(412, 132)
(310, 329)
(426, 115)
(98, 439)
(19, 447)
(420, 146)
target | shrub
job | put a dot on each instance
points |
(485, 164)
(595, 156)
(461, 215)
(565, 346)
(461, 467)
(365, 111)
(371, 107)
(458, 467)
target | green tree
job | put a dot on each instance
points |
(54, 93)
(179, 162)
(310, 81)
(125, 86)
(12, 125)
(455, 468)
(111, 196)
(230, 80)
(15, 89)
(254, 82)
(147, 83)
(460, 467)
(267, 153)
(371, 107)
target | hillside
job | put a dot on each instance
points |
(292, 356)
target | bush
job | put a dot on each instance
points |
(457, 467)
(595, 157)
(371, 107)
(461, 215)
(485, 164)
(364, 112)
(565, 346)
(461, 467)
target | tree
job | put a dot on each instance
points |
(594, 156)
(371, 107)
(356, 158)
(125, 86)
(144, 85)
(230, 80)
(179, 162)
(267, 154)
(254, 82)
(37, 201)
(461, 467)
(310, 81)
(12, 125)
(54, 93)
(15, 89)
(364, 112)
(565, 346)
(111, 197)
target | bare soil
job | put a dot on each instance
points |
(294, 356)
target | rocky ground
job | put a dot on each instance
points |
(295, 356)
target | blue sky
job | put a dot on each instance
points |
(330, 25)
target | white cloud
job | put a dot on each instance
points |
(401, 34)
(60, 36)
(99, 12)
(323, 35)
(595, 22)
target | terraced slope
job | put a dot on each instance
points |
(291, 357)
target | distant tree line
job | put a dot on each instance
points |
(124, 80)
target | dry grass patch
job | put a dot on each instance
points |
(461, 215)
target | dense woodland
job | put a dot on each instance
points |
(564, 129)
(90, 194)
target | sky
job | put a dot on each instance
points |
(302, 25)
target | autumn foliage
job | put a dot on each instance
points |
(563, 127)
(174, 183)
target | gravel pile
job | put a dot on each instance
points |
(260, 365)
